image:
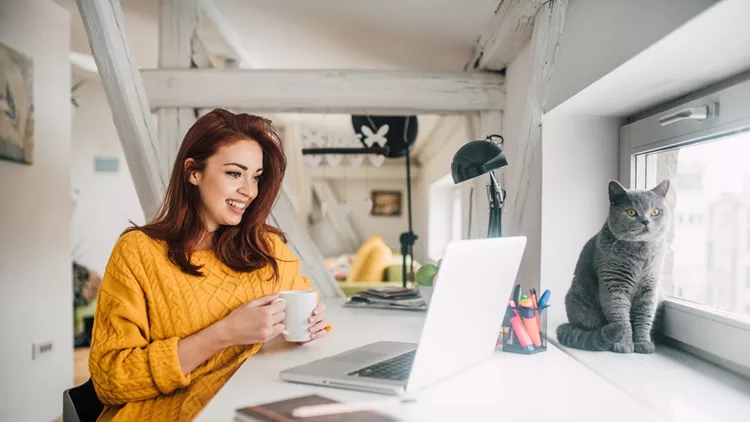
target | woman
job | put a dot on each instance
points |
(188, 297)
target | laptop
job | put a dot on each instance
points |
(461, 327)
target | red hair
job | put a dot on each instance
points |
(247, 246)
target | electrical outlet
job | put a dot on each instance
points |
(39, 349)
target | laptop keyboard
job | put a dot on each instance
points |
(396, 369)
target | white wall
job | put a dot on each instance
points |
(581, 151)
(107, 201)
(35, 211)
(436, 166)
(354, 192)
(599, 36)
(580, 157)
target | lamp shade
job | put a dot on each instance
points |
(475, 159)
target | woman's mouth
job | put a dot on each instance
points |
(236, 205)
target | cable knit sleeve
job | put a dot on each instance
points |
(125, 364)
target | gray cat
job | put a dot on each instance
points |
(613, 300)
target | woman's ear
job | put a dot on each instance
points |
(192, 174)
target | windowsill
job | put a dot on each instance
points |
(677, 385)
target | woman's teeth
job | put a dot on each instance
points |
(238, 205)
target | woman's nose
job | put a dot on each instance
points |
(249, 189)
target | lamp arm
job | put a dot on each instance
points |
(497, 195)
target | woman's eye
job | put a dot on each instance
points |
(234, 174)
(655, 212)
(631, 212)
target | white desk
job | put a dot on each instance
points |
(548, 386)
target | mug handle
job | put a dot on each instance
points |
(280, 299)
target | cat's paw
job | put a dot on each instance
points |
(623, 347)
(614, 332)
(644, 347)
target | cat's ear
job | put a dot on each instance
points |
(662, 188)
(616, 191)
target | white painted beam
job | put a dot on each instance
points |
(348, 91)
(338, 220)
(177, 22)
(387, 172)
(220, 31)
(304, 248)
(505, 34)
(429, 139)
(202, 57)
(523, 177)
(104, 24)
(441, 134)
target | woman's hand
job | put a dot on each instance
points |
(257, 321)
(318, 322)
(254, 322)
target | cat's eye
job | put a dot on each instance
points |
(655, 212)
(631, 212)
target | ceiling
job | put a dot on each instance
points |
(429, 35)
(335, 34)
(345, 34)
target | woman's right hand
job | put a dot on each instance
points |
(255, 322)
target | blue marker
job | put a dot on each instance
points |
(544, 299)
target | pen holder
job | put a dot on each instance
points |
(532, 324)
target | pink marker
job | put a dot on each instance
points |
(518, 328)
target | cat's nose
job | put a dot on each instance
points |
(645, 222)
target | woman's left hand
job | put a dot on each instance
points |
(318, 322)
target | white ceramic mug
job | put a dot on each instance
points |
(299, 307)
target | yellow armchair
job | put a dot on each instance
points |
(370, 261)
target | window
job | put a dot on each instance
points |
(444, 216)
(456, 215)
(719, 187)
(709, 265)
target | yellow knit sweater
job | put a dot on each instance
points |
(146, 305)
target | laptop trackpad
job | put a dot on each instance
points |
(360, 357)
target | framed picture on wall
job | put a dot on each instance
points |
(16, 106)
(386, 203)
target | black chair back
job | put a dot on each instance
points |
(81, 404)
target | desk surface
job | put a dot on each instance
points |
(493, 390)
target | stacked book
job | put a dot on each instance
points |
(387, 298)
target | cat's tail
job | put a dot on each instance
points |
(597, 340)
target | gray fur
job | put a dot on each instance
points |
(613, 300)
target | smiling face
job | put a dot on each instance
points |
(229, 183)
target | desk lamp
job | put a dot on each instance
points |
(475, 159)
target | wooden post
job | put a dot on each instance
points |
(524, 182)
(122, 83)
(505, 35)
(178, 20)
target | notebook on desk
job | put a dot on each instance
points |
(281, 411)
(387, 298)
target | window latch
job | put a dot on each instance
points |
(693, 113)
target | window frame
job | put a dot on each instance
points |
(718, 336)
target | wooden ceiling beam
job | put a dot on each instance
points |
(330, 91)
(505, 35)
